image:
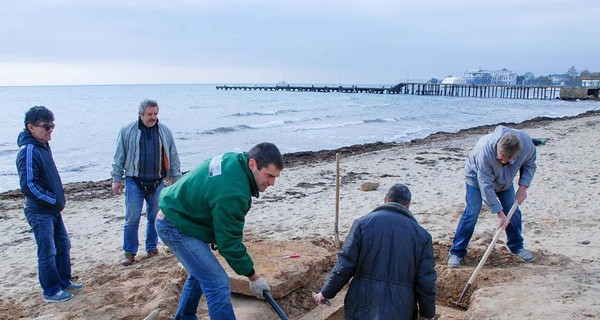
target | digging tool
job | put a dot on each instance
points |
(274, 305)
(484, 258)
(337, 200)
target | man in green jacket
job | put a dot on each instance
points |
(208, 206)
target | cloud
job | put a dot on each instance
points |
(312, 41)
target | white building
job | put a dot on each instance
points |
(453, 80)
(504, 78)
(590, 83)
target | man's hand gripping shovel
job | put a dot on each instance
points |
(484, 258)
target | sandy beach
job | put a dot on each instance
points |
(560, 227)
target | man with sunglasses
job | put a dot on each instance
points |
(45, 199)
(145, 155)
(489, 173)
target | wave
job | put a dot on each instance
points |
(264, 113)
(77, 167)
(8, 173)
(9, 152)
(378, 120)
(226, 129)
(332, 125)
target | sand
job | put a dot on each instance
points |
(560, 227)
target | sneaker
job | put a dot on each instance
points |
(454, 261)
(129, 259)
(74, 286)
(152, 253)
(524, 255)
(59, 296)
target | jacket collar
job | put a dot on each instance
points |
(396, 207)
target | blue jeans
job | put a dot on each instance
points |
(134, 200)
(53, 251)
(206, 275)
(467, 222)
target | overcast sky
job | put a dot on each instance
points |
(306, 41)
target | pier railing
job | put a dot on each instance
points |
(425, 89)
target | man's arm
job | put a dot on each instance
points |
(485, 178)
(345, 266)
(118, 164)
(29, 175)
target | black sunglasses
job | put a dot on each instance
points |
(46, 126)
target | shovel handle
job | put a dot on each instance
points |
(274, 305)
(491, 246)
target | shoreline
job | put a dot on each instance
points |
(77, 190)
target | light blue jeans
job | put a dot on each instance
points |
(134, 201)
(53, 251)
(206, 275)
(467, 222)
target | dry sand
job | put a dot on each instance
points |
(560, 226)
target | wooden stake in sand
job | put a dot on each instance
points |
(337, 198)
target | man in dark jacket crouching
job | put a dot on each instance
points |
(390, 258)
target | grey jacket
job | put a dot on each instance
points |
(389, 257)
(127, 155)
(485, 171)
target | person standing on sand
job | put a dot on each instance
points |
(45, 199)
(145, 155)
(208, 208)
(389, 257)
(489, 173)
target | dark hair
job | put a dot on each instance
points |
(38, 114)
(145, 104)
(266, 153)
(399, 193)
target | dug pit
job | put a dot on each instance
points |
(154, 285)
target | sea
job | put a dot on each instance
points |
(206, 121)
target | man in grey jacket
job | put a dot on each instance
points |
(489, 173)
(389, 257)
(145, 155)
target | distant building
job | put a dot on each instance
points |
(453, 80)
(478, 76)
(504, 78)
(560, 79)
(590, 82)
(488, 77)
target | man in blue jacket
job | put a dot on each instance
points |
(45, 199)
(389, 257)
(489, 173)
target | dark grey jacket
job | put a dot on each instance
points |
(390, 257)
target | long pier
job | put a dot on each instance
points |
(424, 89)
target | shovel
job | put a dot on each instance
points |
(274, 305)
(484, 258)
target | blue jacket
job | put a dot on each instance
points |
(127, 155)
(484, 170)
(389, 257)
(38, 176)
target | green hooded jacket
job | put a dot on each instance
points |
(211, 202)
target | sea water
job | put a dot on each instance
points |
(207, 122)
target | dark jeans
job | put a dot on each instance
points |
(134, 202)
(467, 222)
(54, 246)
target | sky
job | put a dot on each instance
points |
(86, 42)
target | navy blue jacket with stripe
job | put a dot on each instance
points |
(38, 176)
